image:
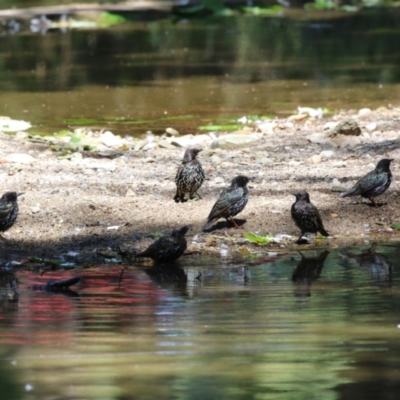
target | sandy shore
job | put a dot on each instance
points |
(90, 205)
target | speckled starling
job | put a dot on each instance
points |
(306, 216)
(8, 210)
(374, 183)
(231, 202)
(167, 248)
(190, 176)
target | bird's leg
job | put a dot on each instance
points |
(234, 223)
(374, 202)
(199, 196)
(299, 239)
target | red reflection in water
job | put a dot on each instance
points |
(100, 302)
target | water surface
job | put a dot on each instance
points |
(189, 73)
(278, 327)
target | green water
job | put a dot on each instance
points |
(273, 328)
(189, 73)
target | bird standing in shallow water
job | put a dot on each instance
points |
(189, 177)
(374, 183)
(167, 248)
(231, 202)
(306, 216)
(8, 210)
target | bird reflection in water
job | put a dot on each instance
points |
(307, 271)
(375, 264)
(186, 281)
(9, 288)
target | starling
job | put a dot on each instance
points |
(231, 202)
(374, 183)
(168, 248)
(306, 216)
(190, 176)
(8, 210)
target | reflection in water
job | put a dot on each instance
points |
(376, 265)
(307, 271)
(143, 75)
(208, 329)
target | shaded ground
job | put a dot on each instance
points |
(70, 207)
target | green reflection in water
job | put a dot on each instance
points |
(287, 329)
(217, 68)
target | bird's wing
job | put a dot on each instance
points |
(159, 245)
(228, 197)
(367, 183)
(314, 210)
(5, 210)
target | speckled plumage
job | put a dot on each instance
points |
(374, 183)
(167, 248)
(189, 177)
(8, 210)
(306, 216)
(231, 202)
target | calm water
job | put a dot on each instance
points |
(276, 328)
(189, 73)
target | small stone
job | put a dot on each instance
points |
(149, 160)
(371, 126)
(348, 127)
(139, 145)
(216, 159)
(35, 210)
(227, 164)
(219, 180)
(233, 141)
(327, 154)
(333, 215)
(171, 132)
(363, 112)
(339, 164)
(19, 158)
(317, 138)
(166, 144)
(111, 140)
(315, 159)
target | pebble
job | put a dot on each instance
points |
(363, 112)
(111, 140)
(172, 132)
(315, 159)
(371, 126)
(19, 158)
(348, 127)
(227, 164)
(149, 160)
(35, 210)
(139, 145)
(166, 144)
(233, 141)
(339, 164)
(219, 180)
(327, 154)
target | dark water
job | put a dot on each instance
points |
(189, 73)
(279, 327)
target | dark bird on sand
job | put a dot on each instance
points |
(306, 216)
(374, 183)
(8, 210)
(189, 177)
(231, 202)
(167, 248)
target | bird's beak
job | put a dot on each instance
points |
(20, 193)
